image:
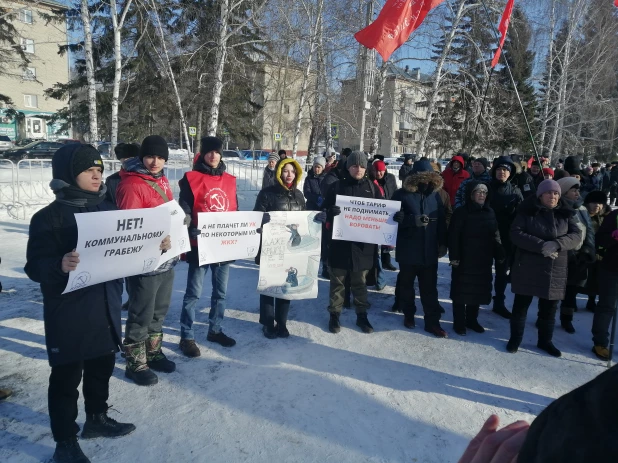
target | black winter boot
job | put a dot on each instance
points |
(155, 358)
(500, 309)
(395, 307)
(269, 331)
(517, 334)
(101, 425)
(386, 262)
(591, 305)
(333, 324)
(546, 333)
(566, 319)
(363, 323)
(69, 451)
(282, 330)
(472, 315)
(459, 319)
(137, 369)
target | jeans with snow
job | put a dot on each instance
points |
(195, 282)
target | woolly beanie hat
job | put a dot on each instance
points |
(209, 144)
(154, 145)
(548, 185)
(596, 197)
(85, 158)
(357, 158)
(126, 150)
(319, 161)
(380, 166)
(273, 157)
(567, 183)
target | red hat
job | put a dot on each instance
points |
(380, 166)
(548, 171)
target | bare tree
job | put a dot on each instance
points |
(93, 134)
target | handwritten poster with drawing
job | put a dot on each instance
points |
(228, 236)
(290, 257)
(366, 220)
(117, 244)
(179, 232)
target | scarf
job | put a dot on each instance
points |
(74, 196)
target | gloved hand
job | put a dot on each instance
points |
(615, 235)
(187, 220)
(442, 250)
(549, 247)
(334, 211)
(399, 216)
(454, 263)
(554, 255)
(320, 201)
(421, 220)
(265, 218)
(194, 232)
(500, 254)
(320, 217)
(258, 230)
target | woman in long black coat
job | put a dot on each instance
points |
(82, 328)
(473, 242)
(543, 232)
(282, 196)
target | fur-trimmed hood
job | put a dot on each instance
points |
(532, 206)
(432, 179)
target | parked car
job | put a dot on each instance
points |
(27, 141)
(104, 149)
(36, 150)
(261, 155)
(5, 143)
(232, 154)
(176, 151)
(67, 141)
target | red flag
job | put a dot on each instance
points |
(616, 3)
(503, 27)
(397, 20)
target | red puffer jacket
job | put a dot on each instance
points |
(453, 179)
(133, 191)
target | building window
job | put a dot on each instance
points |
(29, 74)
(27, 45)
(25, 16)
(286, 109)
(30, 101)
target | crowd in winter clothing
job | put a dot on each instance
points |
(552, 239)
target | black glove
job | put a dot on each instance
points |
(320, 217)
(194, 232)
(334, 211)
(500, 254)
(265, 218)
(187, 220)
(259, 231)
(399, 216)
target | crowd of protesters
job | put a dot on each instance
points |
(549, 232)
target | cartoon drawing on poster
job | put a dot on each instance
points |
(290, 256)
(366, 220)
(228, 236)
(117, 244)
(178, 231)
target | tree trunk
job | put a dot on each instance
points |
(375, 130)
(117, 25)
(435, 88)
(92, 88)
(323, 79)
(549, 80)
(213, 120)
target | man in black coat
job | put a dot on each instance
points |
(504, 198)
(82, 328)
(124, 152)
(350, 257)
(421, 241)
(406, 168)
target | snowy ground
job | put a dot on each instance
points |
(396, 395)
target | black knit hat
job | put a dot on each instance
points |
(595, 197)
(154, 145)
(346, 152)
(126, 150)
(483, 161)
(84, 159)
(208, 144)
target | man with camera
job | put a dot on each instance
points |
(421, 241)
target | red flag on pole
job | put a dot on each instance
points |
(616, 3)
(503, 27)
(397, 20)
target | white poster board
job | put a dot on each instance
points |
(290, 257)
(228, 236)
(366, 220)
(179, 233)
(117, 244)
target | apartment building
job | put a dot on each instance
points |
(40, 40)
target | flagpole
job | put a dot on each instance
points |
(521, 105)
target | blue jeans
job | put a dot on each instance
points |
(380, 277)
(195, 281)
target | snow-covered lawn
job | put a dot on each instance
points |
(396, 395)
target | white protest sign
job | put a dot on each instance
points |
(117, 244)
(290, 257)
(179, 233)
(366, 220)
(228, 236)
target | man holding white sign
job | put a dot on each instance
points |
(82, 328)
(207, 188)
(346, 257)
